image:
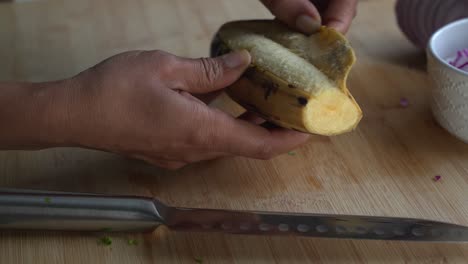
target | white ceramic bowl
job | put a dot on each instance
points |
(449, 84)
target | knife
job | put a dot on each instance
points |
(41, 210)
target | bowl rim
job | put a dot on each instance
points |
(439, 32)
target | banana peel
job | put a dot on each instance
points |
(294, 81)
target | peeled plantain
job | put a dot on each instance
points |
(295, 81)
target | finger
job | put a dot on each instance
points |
(242, 138)
(340, 14)
(210, 74)
(191, 97)
(321, 5)
(187, 156)
(252, 118)
(167, 164)
(205, 155)
(170, 165)
(298, 14)
(208, 97)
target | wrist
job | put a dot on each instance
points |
(35, 115)
(57, 111)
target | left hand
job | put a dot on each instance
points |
(140, 104)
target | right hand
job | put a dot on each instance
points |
(140, 104)
(307, 16)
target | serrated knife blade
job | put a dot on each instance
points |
(40, 210)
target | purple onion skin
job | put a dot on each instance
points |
(411, 18)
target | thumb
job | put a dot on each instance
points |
(210, 74)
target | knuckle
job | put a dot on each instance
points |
(158, 54)
(165, 58)
(169, 165)
(174, 166)
(165, 63)
(168, 61)
(194, 157)
(205, 133)
(167, 67)
(211, 70)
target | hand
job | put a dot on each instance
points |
(140, 104)
(305, 15)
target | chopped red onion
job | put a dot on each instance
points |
(461, 60)
(437, 177)
(463, 65)
(404, 102)
(459, 56)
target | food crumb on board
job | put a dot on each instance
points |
(47, 200)
(292, 153)
(198, 260)
(132, 242)
(404, 102)
(437, 178)
(107, 241)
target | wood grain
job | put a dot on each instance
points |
(385, 167)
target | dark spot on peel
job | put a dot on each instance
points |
(251, 107)
(270, 88)
(291, 86)
(302, 101)
(270, 125)
(249, 73)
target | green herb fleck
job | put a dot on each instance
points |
(47, 200)
(198, 260)
(292, 153)
(106, 229)
(132, 242)
(106, 241)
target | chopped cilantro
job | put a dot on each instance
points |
(292, 153)
(47, 200)
(404, 102)
(132, 242)
(106, 241)
(198, 260)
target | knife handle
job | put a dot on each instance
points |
(37, 210)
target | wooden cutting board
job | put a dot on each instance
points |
(385, 167)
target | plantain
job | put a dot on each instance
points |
(294, 81)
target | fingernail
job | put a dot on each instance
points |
(307, 24)
(236, 59)
(338, 26)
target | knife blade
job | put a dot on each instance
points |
(41, 210)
